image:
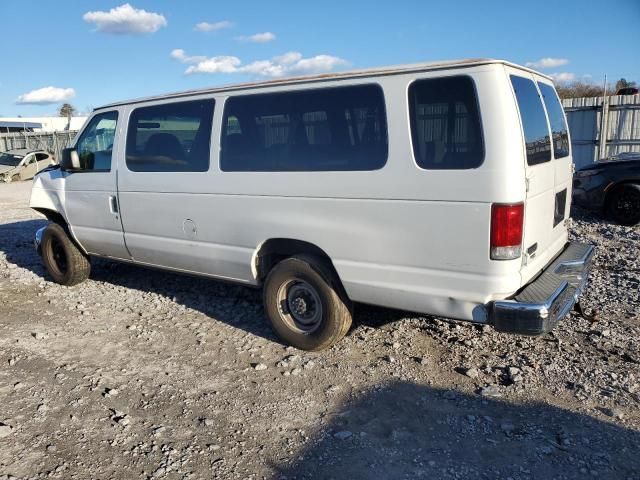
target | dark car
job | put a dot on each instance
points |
(611, 187)
(628, 91)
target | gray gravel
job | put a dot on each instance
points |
(145, 374)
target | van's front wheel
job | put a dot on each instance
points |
(64, 261)
(304, 302)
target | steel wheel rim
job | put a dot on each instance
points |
(300, 306)
(58, 256)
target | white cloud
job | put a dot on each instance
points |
(288, 58)
(178, 54)
(202, 64)
(222, 64)
(563, 77)
(263, 37)
(548, 62)
(317, 64)
(212, 27)
(47, 96)
(126, 20)
(291, 63)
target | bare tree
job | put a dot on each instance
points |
(579, 89)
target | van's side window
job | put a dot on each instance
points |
(445, 123)
(95, 145)
(556, 119)
(534, 121)
(331, 129)
(172, 137)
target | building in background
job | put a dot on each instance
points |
(9, 126)
(40, 124)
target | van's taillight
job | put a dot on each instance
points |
(506, 231)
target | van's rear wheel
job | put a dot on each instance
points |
(304, 301)
(64, 261)
(624, 204)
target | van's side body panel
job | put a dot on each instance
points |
(400, 236)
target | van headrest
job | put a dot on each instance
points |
(165, 145)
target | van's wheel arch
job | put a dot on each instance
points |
(65, 262)
(305, 302)
(623, 203)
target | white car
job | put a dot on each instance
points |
(23, 164)
(441, 188)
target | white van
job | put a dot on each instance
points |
(440, 188)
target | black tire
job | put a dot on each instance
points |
(623, 204)
(64, 261)
(324, 302)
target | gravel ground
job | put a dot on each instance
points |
(145, 374)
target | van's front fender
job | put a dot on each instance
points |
(47, 193)
(48, 198)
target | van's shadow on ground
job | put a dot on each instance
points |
(235, 305)
(403, 430)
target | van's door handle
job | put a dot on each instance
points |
(113, 204)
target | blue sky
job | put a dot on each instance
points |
(95, 52)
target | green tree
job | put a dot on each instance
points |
(66, 110)
(624, 83)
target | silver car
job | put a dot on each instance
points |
(23, 164)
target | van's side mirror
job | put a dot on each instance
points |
(69, 160)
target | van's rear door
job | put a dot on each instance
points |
(562, 158)
(547, 168)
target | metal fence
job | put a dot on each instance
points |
(51, 141)
(621, 123)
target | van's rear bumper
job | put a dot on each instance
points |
(541, 304)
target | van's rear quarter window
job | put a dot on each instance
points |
(331, 129)
(559, 130)
(445, 123)
(172, 137)
(534, 120)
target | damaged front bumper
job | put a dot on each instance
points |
(37, 240)
(541, 304)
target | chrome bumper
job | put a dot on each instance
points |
(541, 304)
(37, 240)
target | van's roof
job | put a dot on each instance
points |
(369, 72)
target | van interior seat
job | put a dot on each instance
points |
(164, 145)
(199, 151)
(237, 144)
(434, 153)
(236, 151)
